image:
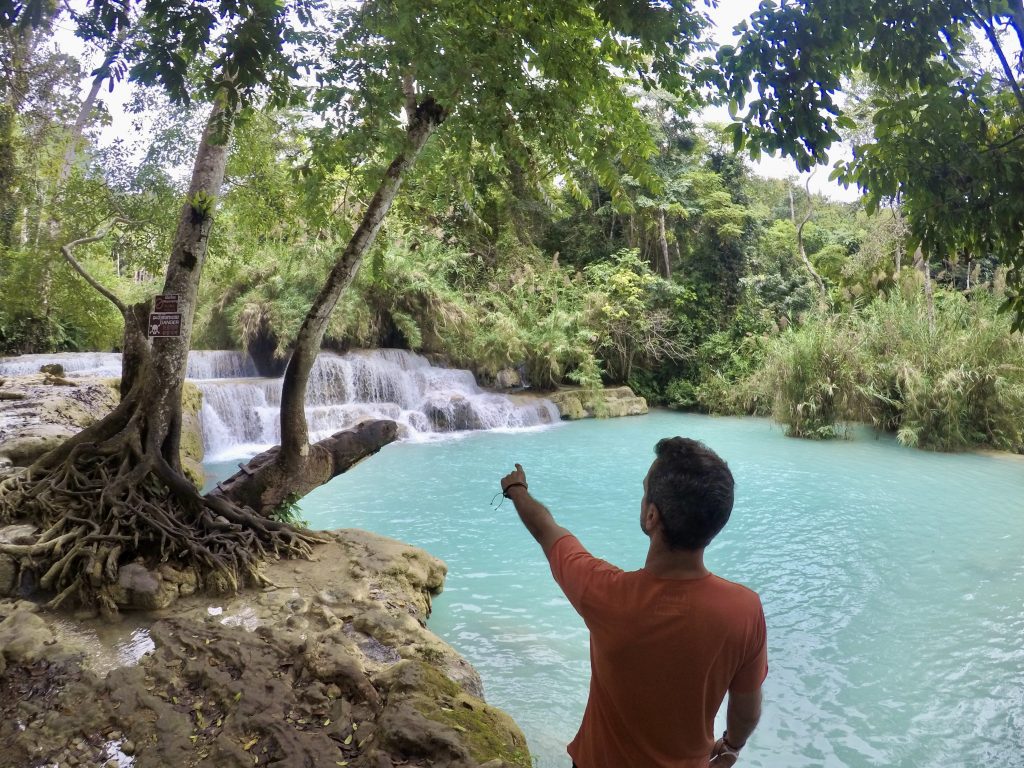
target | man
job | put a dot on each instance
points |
(668, 641)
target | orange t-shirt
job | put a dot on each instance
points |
(663, 653)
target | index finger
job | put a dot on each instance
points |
(519, 467)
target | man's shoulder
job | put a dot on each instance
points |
(734, 589)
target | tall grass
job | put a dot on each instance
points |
(954, 386)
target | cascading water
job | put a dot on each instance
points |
(240, 410)
(240, 414)
(84, 363)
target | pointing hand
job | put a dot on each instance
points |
(513, 479)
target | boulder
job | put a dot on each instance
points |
(453, 415)
(612, 402)
(9, 565)
(508, 378)
(32, 442)
(138, 587)
(24, 636)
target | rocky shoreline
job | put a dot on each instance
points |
(334, 665)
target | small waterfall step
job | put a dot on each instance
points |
(202, 364)
(241, 414)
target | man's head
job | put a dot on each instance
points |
(692, 491)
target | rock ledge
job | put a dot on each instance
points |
(332, 666)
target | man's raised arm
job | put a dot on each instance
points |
(535, 516)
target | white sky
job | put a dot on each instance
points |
(726, 16)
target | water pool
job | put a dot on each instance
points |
(892, 579)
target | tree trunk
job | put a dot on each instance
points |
(264, 485)
(114, 493)
(161, 388)
(921, 264)
(8, 177)
(800, 241)
(666, 266)
(78, 129)
(294, 429)
(68, 162)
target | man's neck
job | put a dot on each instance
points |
(668, 563)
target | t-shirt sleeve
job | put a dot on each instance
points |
(752, 673)
(576, 570)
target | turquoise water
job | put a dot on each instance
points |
(892, 579)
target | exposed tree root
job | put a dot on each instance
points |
(106, 504)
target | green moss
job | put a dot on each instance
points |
(191, 427)
(487, 732)
(191, 399)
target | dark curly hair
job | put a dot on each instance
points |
(693, 490)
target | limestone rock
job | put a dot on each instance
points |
(508, 378)
(453, 415)
(32, 442)
(139, 587)
(25, 637)
(613, 402)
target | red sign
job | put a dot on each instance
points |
(164, 324)
(166, 302)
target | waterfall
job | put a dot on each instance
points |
(240, 414)
(202, 364)
(219, 364)
(84, 363)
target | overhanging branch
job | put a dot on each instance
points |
(100, 233)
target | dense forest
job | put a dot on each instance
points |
(696, 282)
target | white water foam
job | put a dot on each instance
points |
(202, 364)
(240, 412)
(86, 363)
(240, 415)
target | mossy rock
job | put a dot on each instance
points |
(192, 450)
(420, 694)
(613, 402)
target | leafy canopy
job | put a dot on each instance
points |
(946, 103)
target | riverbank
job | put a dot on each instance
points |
(333, 665)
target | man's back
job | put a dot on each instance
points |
(663, 654)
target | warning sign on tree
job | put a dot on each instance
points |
(164, 324)
(165, 302)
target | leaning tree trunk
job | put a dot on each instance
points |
(114, 492)
(271, 480)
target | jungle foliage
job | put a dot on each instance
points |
(661, 262)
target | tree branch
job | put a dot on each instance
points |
(1017, 22)
(993, 38)
(800, 240)
(409, 90)
(101, 233)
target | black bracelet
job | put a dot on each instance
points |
(504, 491)
(726, 742)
